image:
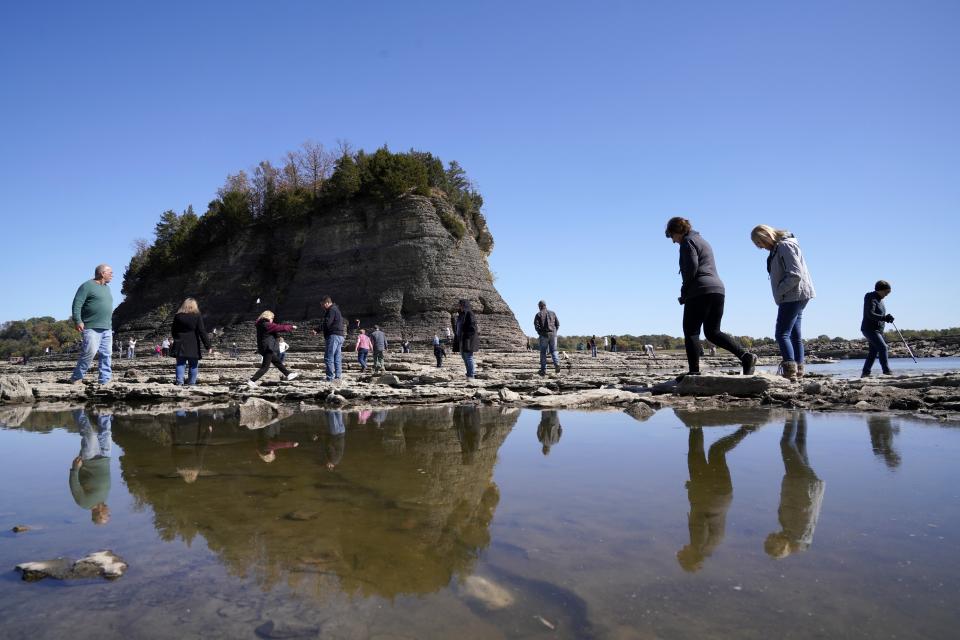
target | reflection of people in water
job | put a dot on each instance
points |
(801, 493)
(333, 439)
(190, 440)
(881, 439)
(710, 491)
(269, 442)
(90, 471)
(470, 432)
(549, 430)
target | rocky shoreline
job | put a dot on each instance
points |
(625, 381)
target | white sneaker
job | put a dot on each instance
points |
(251, 384)
(293, 375)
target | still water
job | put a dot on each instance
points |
(484, 523)
(899, 366)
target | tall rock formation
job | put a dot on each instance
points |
(403, 266)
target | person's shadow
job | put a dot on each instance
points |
(710, 491)
(801, 493)
(549, 430)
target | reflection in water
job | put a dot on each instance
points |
(322, 522)
(710, 492)
(549, 430)
(881, 439)
(801, 493)
(90, 471)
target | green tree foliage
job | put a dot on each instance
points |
(31, 337)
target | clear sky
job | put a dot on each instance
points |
(585, 126)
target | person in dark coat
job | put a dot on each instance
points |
(872, 327)
(267, 347)
(188, 334)
(332, 328)
(466, 338)
(702, 295)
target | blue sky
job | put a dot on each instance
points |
(585, 126)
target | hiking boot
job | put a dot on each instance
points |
(788, 369)
(749, 361)
(542, 372)
(688, 373)
(799, 369)
(293, 375)
(556, 368)
(865, 374)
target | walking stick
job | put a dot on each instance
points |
(909, 350)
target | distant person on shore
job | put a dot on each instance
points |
(188, 335)
(801, 493)
(379, 341)
(438, 351)
(131, 348)
(363, 348)
(282, 346)
(792, 289)
(580, 346)
(592, 343)
(466, 338)
(613, 344)
(874, 316)
(548, 431)
(449, 335)
(332, 328)
(165, 347)
(267, 347)
(546, 324)
(702, 295)
(93, 316)
(90, 471)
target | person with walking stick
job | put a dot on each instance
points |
(874, 316)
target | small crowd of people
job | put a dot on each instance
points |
(702, 295)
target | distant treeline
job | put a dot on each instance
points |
(309, 182)
(32, 337)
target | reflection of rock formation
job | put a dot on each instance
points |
(801, 493)
(882, 431)
(381, 522)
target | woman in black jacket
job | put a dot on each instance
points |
(466, 335)
(188, 332)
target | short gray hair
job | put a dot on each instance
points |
(98, 272)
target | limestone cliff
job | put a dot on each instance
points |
(402, 266)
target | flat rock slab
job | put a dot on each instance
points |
(15, 389)
(741, 386)
(590, 398)
(105, 564)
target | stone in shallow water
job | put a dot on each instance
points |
(487, 592)
(104, 564)
(284, 629)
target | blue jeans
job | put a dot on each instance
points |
(194, 367)
(95, 441)
(362, 357)
(548, 342)
(333, 356)
(468, 361)
(878, 350)
(787, 331)
(593, 351)
(95, 341)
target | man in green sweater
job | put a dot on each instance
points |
(93, 316)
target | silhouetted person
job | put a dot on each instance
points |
(90, 471)
(189, 439)
(881, 439)
(549, 430)
(466, 419)
(710, 491)
(801, 493)
(333, 439)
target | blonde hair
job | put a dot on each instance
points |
(266, 314)
(767, 235)
(189, 306)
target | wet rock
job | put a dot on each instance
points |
(15, 415)
(639, 411)
(104, 564)
(594, 397)
(336, 400)
(132, 374)
(813, 388)
(487, 592)
(257, 413)
(14, 390)
(508, 395)
(543, 391)
(301, 515)
(287, 629)
(20, 528)
(388, 379)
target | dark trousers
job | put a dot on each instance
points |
(269, 358)
(878, 350)
(705, 311)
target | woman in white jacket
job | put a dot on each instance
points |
(792, 289)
